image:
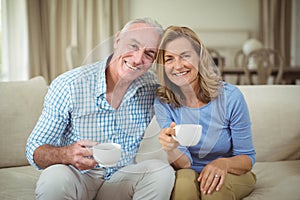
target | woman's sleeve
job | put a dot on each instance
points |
(240, 125)
(162, 113)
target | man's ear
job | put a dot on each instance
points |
(117, 39)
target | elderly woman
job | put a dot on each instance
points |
(192, 92)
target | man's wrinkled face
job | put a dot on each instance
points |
(135, 50)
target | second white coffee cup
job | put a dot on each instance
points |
(107, 154)
(187, 134)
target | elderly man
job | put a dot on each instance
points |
(108, 101)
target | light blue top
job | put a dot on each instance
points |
(226, 126)
(75, 108)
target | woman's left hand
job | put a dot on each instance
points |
(212, 176)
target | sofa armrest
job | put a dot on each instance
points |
(21, 104)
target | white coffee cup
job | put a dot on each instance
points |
(187, 134)
(107, 154)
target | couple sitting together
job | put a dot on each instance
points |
(113, 101)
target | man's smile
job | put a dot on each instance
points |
(130, 66)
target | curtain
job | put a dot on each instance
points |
(275, 26)
(14, 40)
(62, 33)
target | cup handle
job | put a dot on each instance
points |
(174, 136)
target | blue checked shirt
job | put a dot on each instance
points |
(75, 108)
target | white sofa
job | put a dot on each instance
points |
(275, 115)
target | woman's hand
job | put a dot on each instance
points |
(165, 138)
(177, 158)
(213, 175)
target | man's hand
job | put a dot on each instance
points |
(78, 154)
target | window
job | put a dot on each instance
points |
(14, 43)
(1, 73)
(295, 51)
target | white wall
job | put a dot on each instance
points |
(204, 14)
(221, 24)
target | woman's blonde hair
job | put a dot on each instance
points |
(209, 79)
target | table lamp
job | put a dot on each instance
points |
(249, 46)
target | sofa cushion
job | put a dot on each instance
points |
(20, 106)
(276, 180)
(150, 147)
(18, 182)
(275, 116)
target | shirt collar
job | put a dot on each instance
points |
(101, 84)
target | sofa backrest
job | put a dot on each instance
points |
(275, 116)
(21, 104)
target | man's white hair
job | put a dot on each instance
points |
(147, 20)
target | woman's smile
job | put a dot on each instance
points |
(181, 73)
